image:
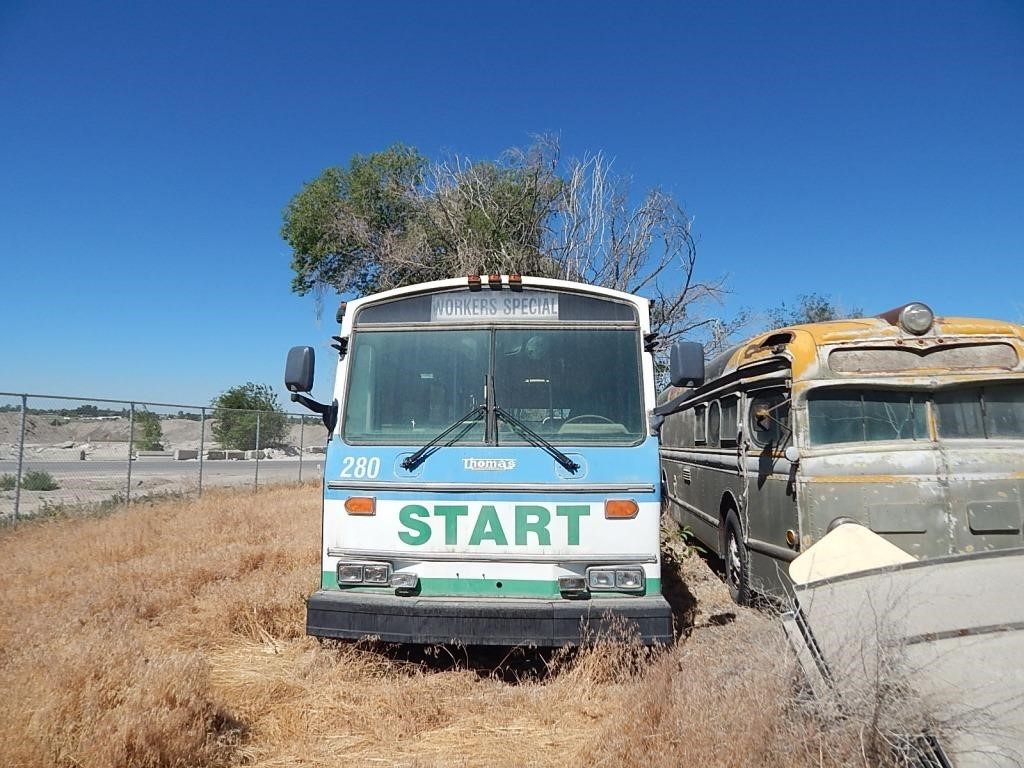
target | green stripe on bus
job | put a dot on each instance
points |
(536, 588)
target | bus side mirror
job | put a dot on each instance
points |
(686, 364)
(298, 370)
(298, 378)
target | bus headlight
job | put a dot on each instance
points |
(373, 574)
(601, 580)
(350, 574)
(629, 579)
(841, 521)
(615, 579)
(916, 318)
(376, 574)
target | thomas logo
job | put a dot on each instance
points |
(489, 465)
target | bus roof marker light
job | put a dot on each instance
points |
(474, 282)
(515, 281)
(361, 505)
(621, 509)
(916, 318)
(494, 281)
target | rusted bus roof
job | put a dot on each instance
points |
(872, 328)
(801, 344)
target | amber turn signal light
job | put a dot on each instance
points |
(361, 505)
(620, 508)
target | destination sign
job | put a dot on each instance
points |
(517, 305)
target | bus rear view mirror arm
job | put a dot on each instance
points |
(328, 413)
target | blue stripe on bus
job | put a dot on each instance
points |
(602, 466)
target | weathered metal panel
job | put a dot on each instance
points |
(952, 628)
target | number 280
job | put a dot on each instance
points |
(360, 466)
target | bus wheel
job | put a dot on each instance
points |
(737, 561)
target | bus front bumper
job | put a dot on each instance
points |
(471, 621)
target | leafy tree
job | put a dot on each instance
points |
(150, 433)
(235, 414)
(342, 225)
(392, 218)
(810, 308)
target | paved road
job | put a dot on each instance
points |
(271, 469)
(89, 482)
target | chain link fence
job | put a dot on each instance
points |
(64, 453)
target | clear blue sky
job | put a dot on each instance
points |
(873, 151)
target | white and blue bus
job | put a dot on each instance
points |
(491, 477)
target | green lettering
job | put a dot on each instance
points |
(451, 514)
(573, 513)
(420, 530)
(488, 526)
(539, 524)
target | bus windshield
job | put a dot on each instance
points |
(866, 415)
(995, 411)
(569, 385)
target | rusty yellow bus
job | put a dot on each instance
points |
(910, 424)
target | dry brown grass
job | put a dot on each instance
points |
(172, 635)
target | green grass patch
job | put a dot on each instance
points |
(39, 481)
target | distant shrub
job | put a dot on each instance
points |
(7, 482)
(150, 432)
(39, 481)
(237, 412)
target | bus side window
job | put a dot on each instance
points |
(769, 419)
(714, 423)
(730, 425)
(700, 425)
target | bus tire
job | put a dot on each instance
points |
(736, 559)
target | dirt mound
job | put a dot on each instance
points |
(45, 430)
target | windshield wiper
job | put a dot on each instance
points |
(467, 422)
(534, 439)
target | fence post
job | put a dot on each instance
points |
(131, 441)
(202, 441)
(302, 440)
(256, 482)
(21, 455)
